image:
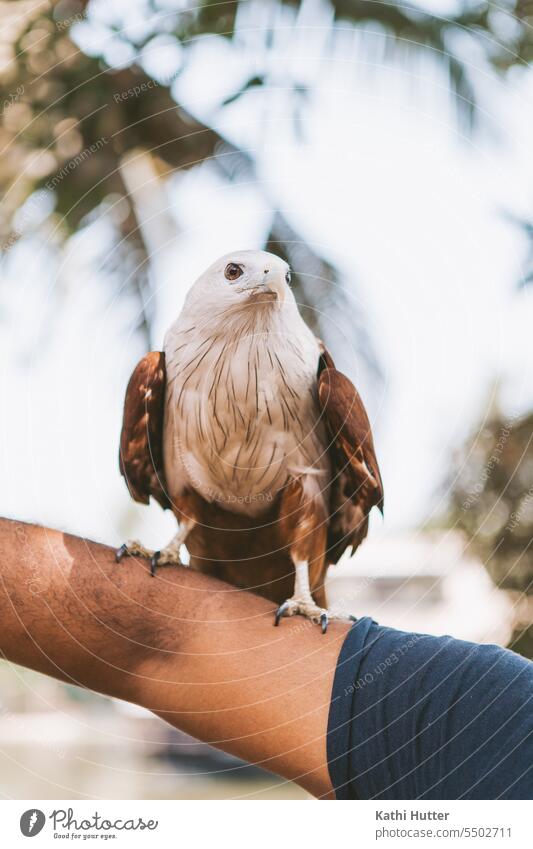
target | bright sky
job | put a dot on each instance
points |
(383, 183)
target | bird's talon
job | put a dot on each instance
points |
(120, 552)
(310, 611)
(154, 560)
(352, 618)
(281, 611)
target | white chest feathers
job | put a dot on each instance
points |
(241, 412)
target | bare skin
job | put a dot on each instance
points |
(201, 654)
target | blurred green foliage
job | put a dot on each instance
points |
(492, 502)
(59, 102)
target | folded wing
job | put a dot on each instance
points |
(141, 439)
(357, 485)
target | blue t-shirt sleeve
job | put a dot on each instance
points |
(415, 716)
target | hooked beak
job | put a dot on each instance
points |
(271, 288)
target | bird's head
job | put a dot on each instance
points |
(245, 277)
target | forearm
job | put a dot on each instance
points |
(201, 654)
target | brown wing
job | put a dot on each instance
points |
(141, 439)
(357, 485)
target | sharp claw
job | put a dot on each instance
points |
(154, 561)
(280, 611)
(324, 622)
(120, 552)
(352, 618)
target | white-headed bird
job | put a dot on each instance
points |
(244, 428)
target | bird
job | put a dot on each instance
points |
(244, 428)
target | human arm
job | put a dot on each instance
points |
(202, 655)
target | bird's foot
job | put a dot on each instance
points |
(308, 609)
(133, 548)
(156, 558)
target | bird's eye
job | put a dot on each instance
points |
(232, 271)
(288, 278)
